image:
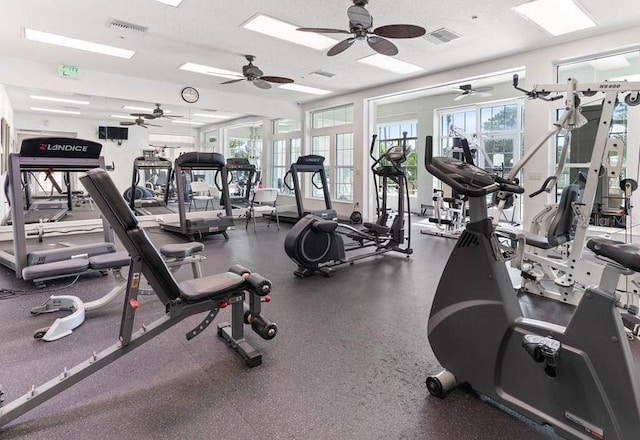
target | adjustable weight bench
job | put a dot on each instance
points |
(243, 290)
(175, 255)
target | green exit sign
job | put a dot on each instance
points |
(68, 71)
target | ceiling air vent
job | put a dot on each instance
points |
(440, 36)
(125, 27)
(322, 73)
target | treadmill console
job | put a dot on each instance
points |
(71, 148)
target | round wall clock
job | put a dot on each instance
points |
(190, 95)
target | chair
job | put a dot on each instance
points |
(200, 191)
(263, 202)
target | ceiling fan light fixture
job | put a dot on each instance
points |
(286, 31)
(391, 64)
(557, 17)
(305, 89)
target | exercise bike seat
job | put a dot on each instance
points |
(326, 226)
(625, 254)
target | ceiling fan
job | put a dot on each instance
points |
(160, 150)
(361, 24)
(256, 76)
(157, 113)
(466, 90)
(139, 121)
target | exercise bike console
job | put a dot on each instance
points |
(466, 178)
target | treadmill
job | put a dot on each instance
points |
(313, 164)
(44, 154)
(150, 166)
(196, 226)
(240, 170)
(37, 212)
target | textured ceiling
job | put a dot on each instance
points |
(209, 32)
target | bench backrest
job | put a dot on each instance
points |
(114, 208)
(560, 229)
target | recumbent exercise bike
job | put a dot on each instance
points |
(317, 245)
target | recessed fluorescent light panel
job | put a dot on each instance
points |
(208, 70)
(557, 17)
(391, 64)
(53, 110)
(288, 32)
(74, 43)
(123, 117)
(63, 100)
(205, 115)
(304, 89)
(142, 109)
(174, 3)
(188, 122)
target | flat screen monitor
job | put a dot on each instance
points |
(113, 133)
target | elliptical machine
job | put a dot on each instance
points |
(317, 245)
(577, 375)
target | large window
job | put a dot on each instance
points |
(332, 138)
(494, 133)
(286, 148)
(321, 146)
(616, 67)
(245, 141)
(392, 134)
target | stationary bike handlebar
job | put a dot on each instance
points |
(465, 178)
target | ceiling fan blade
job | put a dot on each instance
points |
(276, 79)
(261, 84)
(171, 116)
(127, 123)
(358, 15)
(341, 46)
(144, 115)
(482, 89)
(461, 96)
(382, 46)
(324, 30)
(233, 81)
(400, 31)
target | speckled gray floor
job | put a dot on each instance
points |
(349, 362)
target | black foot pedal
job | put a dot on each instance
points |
(631, 322)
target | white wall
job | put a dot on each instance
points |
(121, 155)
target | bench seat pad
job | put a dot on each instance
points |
(213, 287)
